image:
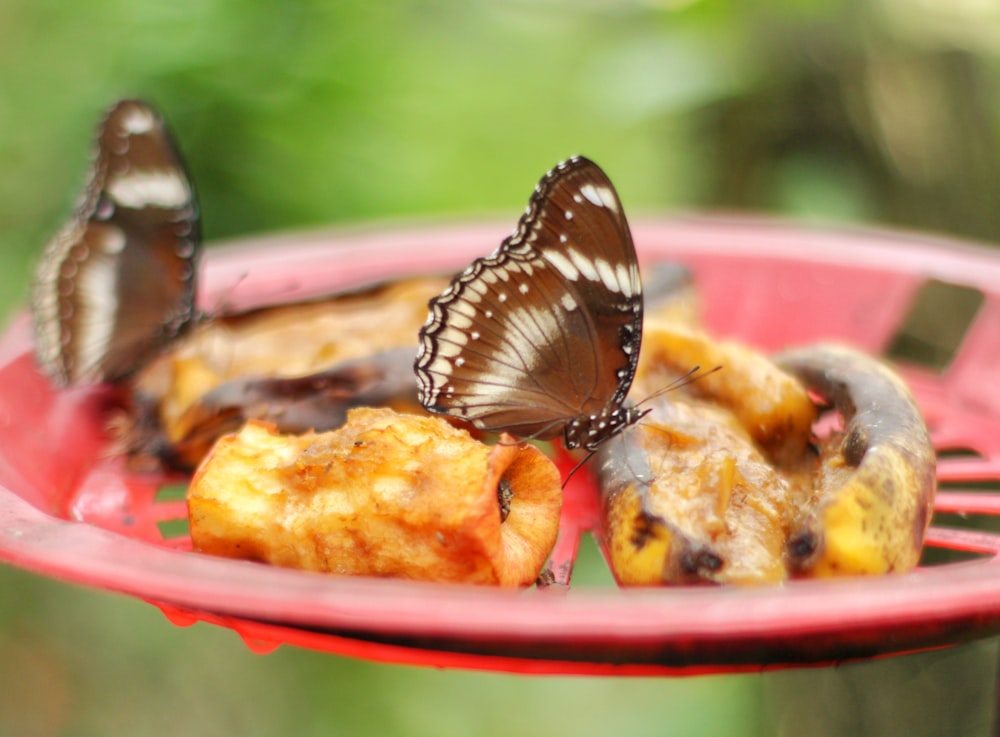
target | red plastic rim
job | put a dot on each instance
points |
(69, 510)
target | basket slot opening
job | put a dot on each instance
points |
(935, 324)
(171, 493)
(173, 528)
(958, 536)
(958, 452)
(950, 456)
(938, 556)
(972, 487)
(589, 568)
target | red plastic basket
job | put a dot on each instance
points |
(69, 510)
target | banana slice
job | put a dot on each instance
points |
(704, 488)
(688, 497)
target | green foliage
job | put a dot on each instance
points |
(316, 112)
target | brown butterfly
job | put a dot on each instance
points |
(541, 338)
(118, 281)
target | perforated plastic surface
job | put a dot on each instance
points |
(69, 510)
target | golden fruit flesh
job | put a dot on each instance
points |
(385, 495)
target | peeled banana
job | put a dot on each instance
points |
(725, 483)
(874, 490)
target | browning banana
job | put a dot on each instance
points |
(874, 491)
(687, 497)
(694, 493)
(723, 483)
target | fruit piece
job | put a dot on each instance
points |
(688, 497)
(875, 489)
(287, 341)
(223, 369)
(721, 485)
(703, 489)
(385, 495)
(293, 405)
(769, 403)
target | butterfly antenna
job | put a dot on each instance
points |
(686, 379)
(577, 467)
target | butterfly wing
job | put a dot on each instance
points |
(118, 281)
(548, 327)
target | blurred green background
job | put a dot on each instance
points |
(306, 113)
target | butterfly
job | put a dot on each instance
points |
(117, 282)
(541, 338)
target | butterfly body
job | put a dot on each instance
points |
(589, 431)
(118, 281)
(541, 338)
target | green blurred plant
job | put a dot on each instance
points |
(314, 112)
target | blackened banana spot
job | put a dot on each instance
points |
(700, 560)
(642, 530)
(855, 446)
(802, 545)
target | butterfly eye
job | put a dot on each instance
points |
(541, 337)
(118, 281)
